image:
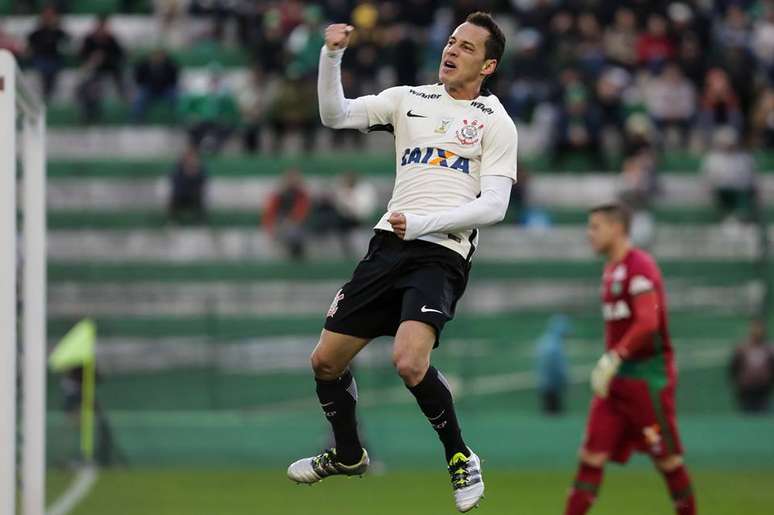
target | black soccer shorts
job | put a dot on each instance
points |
(396, 281)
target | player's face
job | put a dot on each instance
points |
(463, 59)
(602, 231)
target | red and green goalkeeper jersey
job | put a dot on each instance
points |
(633, 296)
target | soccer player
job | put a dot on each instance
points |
(633, 408)
(455, 165)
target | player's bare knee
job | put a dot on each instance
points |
(593, 459)
(324, 367)
(669, 463)
(409, 368)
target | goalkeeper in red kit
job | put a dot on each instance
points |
(633, 408)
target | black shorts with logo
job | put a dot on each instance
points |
(396, 281)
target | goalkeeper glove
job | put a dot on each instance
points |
(606, 368)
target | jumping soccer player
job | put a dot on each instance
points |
(455, 165)
(634, 381)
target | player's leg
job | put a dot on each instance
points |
(356, 316)
(588, 479)
(414, 342)
(337, 393)
(678, 482)
(337, 390)
(667, 455)
(604, 431)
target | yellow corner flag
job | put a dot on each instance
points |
(76, 347)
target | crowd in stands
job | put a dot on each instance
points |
(577, 70)
(292, 215)
(616, 82)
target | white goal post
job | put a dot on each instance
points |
(20, 107)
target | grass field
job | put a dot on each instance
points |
(635, 491)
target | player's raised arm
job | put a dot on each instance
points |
(336, 110)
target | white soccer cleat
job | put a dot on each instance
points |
(467, 480)
(316, 468)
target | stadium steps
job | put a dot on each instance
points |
(714, 272)
(330, 164)
(62, 219)
(139, 34)
(186, 244)
(503, 326)
(76, 7)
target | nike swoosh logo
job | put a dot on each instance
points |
(415, 115)
(328, 404)
(425, 309)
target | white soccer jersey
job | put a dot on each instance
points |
(442, 148)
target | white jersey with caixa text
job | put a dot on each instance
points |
(443, 147)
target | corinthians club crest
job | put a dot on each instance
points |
(470, 132)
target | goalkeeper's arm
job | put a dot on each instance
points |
(638, 335)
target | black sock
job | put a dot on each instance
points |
(435, 401)
(338, 399)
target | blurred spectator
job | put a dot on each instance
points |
(562, 39)
(286, 212)
(763, 41)
(763, 120)
(347, 206)
(590, 51)
(621, 39)
(104, 55)
(719, 104)
(638, 134)
(733, 30)
(638, 182)
(578, 127)
(729, 171)
(10, 43)
(610, 88)
(46, 46)
(218, 11)
(188, 188)
(692, 60)
(268, 47)
(752, 371)
(304, 42)
(519, 206)
(552, 365)
(156, 76)
(530, 76)
(295, 109)
(671, 102)
(405, 54)
(254, 100)
(210, 115)
(171, 24)
(655, 46)
(101, 56)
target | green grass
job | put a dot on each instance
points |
(634, 491)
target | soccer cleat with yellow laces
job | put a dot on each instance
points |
(467, 480)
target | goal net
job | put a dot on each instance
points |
(22, 294)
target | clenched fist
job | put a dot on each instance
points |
(398, 222)
(337, 36)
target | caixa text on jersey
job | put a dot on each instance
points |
(435, 157)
